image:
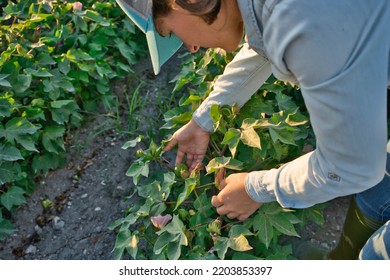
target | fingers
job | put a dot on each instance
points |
(216, 202)
(222, 185)
(171, 144)
(195, 162)
(190, 159)
(224, 210)
(179, 157)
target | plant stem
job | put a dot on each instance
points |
(204, 186)
(223, 151)
(200, 203)
(232, 223)
(198, 226)
(215, 146)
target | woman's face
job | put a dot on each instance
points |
(225, 32)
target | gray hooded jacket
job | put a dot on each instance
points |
(342, 65)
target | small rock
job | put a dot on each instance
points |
(84, 195)
(58, 223)
(97, 209)
(325, 245)
(119, 192)
(38, 229)
(31, 250)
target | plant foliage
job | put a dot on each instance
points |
(171, 216)
(57, 59)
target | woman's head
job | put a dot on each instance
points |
(200, 23)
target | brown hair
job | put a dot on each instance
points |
(206, 9)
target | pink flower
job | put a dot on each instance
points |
(77, 6)
(160, 222)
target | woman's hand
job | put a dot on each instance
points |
(192, 142)
(233, 200)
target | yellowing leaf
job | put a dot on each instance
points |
(250, 137)
(239, 243)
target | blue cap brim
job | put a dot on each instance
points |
(160, 48)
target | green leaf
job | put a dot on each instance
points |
(151, 190)
(176, 230)
(61, 103)
(215, 114)
(9, 153)
(285, 102)
(17, 127)
(52, 139)
(131, 143)
(263, 228)
(283, 135)
(174, 250)
(132, 247)
(221, 246)
(27, 142)
(162, 241)
(125, 50)
(3, 81)
(236, 241)
(61, 110)
(8, 172)
(95, 16)
(6, 228)
(138, 169)
(77, 55)
(191, 99)
(129, 241)
(123, 239)
(13, 197)
(232, 138)
(6, 106)
(23, 83)
(40, 73)
(46, 161)
(296, 119)
(227, 162)
(45, 59)
(238, 230)
(250, 138)
(5, 55)
(190, 185)
(284, 225)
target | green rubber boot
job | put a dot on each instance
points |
(357, 230)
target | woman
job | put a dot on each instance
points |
(342, 65)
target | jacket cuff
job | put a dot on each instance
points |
(255, 188)
(204, 120)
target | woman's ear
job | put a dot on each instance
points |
(157, 25)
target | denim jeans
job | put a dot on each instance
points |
(378, 246)
(375, 203)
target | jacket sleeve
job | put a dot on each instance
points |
(240, 80)
(340, 68)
